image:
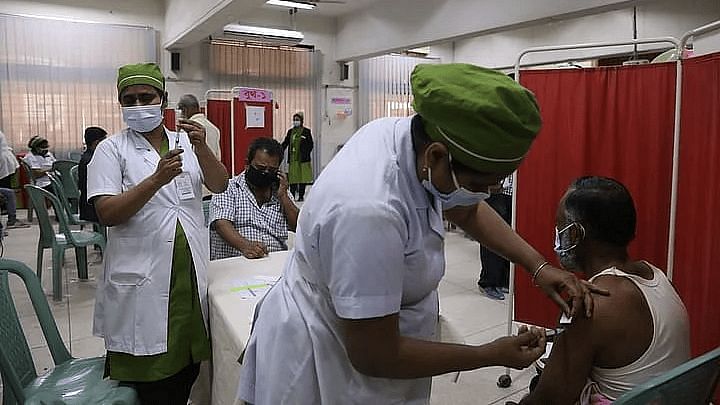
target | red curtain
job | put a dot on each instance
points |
(218, 112)
(169, 119)
(244, 135)
(698, 211)
(614, 121)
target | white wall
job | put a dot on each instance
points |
(133, 12)
(392, 25)
(190, 21)
(192, 77)
(707, 44)
(655, 19)
(445, 52)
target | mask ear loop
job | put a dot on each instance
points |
(582, 236)
(452, 172)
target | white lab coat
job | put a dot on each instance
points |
(131, 308)
(8, 161)
(369, 244)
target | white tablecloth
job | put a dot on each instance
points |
(231, 314)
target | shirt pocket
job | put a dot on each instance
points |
(128, 269)
(129, 266)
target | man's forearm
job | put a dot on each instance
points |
(214, 172)
(291, 211)
(118, 209)
(230, 235)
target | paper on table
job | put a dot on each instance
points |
(252, 288)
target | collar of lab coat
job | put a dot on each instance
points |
(406, 158)
(150, 155)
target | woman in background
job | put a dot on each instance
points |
(300, 141)
(40, 160)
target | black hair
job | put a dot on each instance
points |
(420, 138)
(92, 134)
(267, 145)
(299, 117)
(189, 101)
(604, 207)
(36, 141)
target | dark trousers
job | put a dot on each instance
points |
(298, 190)
(495, 269)
(6, 181)
(173, 390)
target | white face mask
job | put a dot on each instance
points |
(460, 197)
(565, 248)
(143, 118)
(296, 124)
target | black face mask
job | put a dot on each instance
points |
(259, 178)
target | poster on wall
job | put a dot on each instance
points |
(342, 107)
(255, 116)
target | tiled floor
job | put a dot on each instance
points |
(467, 316)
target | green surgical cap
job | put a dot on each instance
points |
(487, 120)
(140, 73)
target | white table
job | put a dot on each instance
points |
(230, 316)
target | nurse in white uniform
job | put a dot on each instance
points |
(353, 318)
(145, 184)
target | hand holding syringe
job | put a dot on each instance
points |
(179, 116)
(195, 131)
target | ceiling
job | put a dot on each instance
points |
(332, 9)
(254, 12)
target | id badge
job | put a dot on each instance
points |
(184, 186)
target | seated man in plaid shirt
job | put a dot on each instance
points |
(252, 217)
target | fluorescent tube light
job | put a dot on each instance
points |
(263, 34)
(291, 4)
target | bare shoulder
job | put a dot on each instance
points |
(623, 292)
(624, 314)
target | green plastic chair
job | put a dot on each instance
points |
(75, 176)
(72, 212)
(76, 381)
(71, 191)
(692, 383)
(59, 242)
(29, 174)
(76, 181)
(75, 155)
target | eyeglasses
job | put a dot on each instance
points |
(128, 100)
(266, 169)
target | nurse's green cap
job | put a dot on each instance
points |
(140, 73)
(487, 120)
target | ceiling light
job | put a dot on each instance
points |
(263, 34)
(291, 4)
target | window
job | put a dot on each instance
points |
(385, 86)
(58, 77)
(291, 73)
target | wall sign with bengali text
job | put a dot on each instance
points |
(255, 95)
